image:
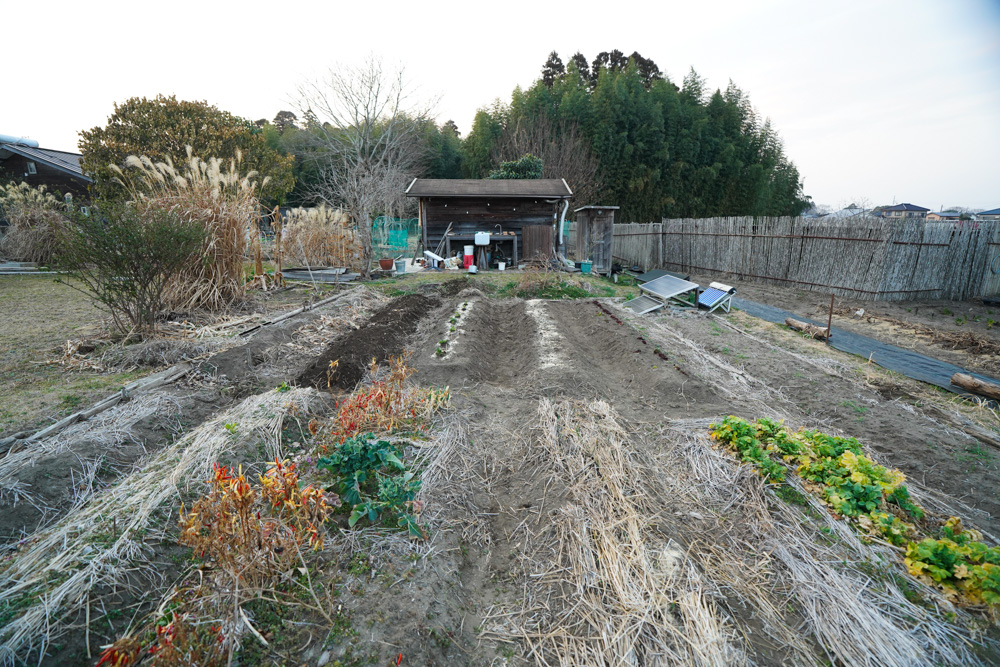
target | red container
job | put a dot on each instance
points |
(386, 264)
(469, 261)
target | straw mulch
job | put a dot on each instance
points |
(644, 545)
(55, 572)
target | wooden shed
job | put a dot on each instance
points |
(526, 210)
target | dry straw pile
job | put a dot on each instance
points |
(319, 237)
(36, 220)
(225, 202)
(98, 543)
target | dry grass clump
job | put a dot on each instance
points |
(214, 194)
(319, 237)
(36, 220)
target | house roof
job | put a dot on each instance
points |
(905, 207)
(992, 211)
(946, 214)
(69, 163)
(500, 187)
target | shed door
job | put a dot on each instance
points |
(603, 234)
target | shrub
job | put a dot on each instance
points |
(218, 198)
(36, 221)
(527, 166)
(124, 257)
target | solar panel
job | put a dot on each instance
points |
(667, 287)
(710, 296)
(643, 304)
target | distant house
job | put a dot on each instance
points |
(900, 211)
(992, 214)
(60, 171)
(945, 216)
(852, 211)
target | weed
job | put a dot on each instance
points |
(282, 388)
(791, 496)
(945, 311)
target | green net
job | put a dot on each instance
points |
(395, 236)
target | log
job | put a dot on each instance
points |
(819, 333)
(976, 386)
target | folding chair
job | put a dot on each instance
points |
(717, 296)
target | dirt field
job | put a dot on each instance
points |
(965, 333)
(576, 509)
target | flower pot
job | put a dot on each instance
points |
(385, 264)
(586, 266)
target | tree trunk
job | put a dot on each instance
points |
(819, 333)
(976, 385)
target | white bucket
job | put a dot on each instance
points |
(473, 269)
(470, 249)
(501, 266)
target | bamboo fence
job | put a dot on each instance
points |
(865, 258)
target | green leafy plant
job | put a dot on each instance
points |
(373, 482)
(959, 563)
(874, 499)
(231, 427)
(282, 388)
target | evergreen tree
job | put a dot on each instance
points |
(552, 69)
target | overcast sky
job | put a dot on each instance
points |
(883, 101)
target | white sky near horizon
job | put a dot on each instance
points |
(878, 101)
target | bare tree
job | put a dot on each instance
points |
(364, 141)
(564, 151)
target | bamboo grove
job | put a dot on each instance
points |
(659, 150)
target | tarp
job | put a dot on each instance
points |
(907, 362)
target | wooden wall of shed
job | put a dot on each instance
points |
(482, 214)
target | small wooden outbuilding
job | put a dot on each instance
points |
(526, 210)
(595, 236)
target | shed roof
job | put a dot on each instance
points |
(488, 187)
(905, 207)
(995, 211)
(63, 161)
(595, 206)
